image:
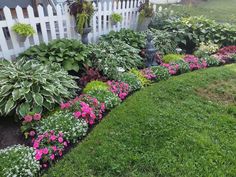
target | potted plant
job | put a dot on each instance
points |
(23, 31)
(146, 13)
(82, 11)
(115, 18)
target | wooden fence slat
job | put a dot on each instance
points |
(42, 21)
(51, 22)
(60, 22)
(32, 21)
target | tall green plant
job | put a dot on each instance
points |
(28, 86)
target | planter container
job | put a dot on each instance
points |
(114, 23)
(21, 38)
(84, 36)
(142, 26)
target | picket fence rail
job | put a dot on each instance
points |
(55, 23)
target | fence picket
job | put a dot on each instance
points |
(55, 24)
(33, 22)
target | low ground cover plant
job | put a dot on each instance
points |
(18, 160)
(64, 122)
(170, 58)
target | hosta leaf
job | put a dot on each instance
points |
(9, 106)
(24, 109)
(16, 94)
(38, 98)
(37, 109)
(5, 89)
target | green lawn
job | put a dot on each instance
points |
(171, 128)
(219, 10)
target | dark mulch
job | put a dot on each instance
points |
(10, 133)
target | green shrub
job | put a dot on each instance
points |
(183, 66)
(130, 37)
(191, 31)
(164, 41)
(212, 61)
(161, 72)
(95, 85)
(70, 54)
(18, 160)
(172, 58)
(23, 29)
(206, 49)
(132, 80)
(144, 81)
(113, 57)
(116, 17)
(65, 122)
(104, 96)
(30, 86)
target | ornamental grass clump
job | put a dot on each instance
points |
(121, 89)
(48, 146)
(18, 160)
(63, 121)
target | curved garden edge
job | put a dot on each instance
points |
(117, 146)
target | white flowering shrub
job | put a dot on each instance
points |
(18, 161)
(65, 122)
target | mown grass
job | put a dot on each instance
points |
(166, 129)
(219, 10)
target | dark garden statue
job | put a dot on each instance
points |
(150, 52)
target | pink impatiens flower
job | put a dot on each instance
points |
(28, 118)
(52, 157)
(60, 139)
(65, 105)
(77, 114)
(37, 116)
(32, 133)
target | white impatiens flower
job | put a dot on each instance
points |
(120, 69)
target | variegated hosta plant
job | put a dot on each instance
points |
(28, 86)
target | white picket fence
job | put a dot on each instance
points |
(51, 25)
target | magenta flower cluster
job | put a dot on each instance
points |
(225, 53)
(148, 74)
(120, 89)
(48, 146)
(85, 107)
(172, 67)
(194, 62)
(30, 118)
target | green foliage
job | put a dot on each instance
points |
(161, 72)
(95, 85)
(169, 58)
(132, 80)
(212, 61)
(18, 160)
(191, 31)
(104, 96)
(144, 81)
(164, 41)
(63, 121)
(113, 57)
(146, 10)
(183, 66)
(70, 54)
(116, 17)
(83, 16)
(166, 130)
(29, 86)
(206, 49)
(130, 37)
(23, 29)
